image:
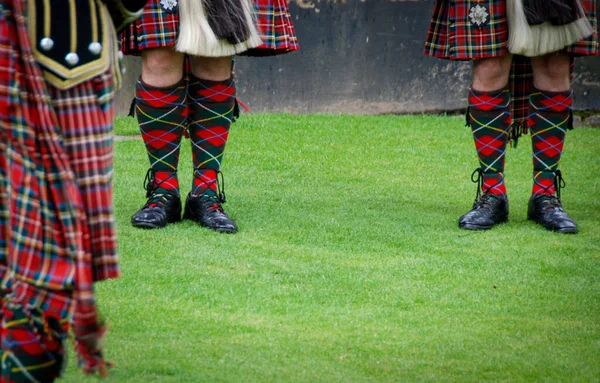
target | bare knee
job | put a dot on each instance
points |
(491, 73)
(551, 72)
(212, 68)
(162, 66)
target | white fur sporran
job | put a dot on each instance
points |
(537, 40)
(197, 38)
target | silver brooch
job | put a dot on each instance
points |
(169, 5)
(479, 15)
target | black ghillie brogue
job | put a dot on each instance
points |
(207, 211)
(547, 210)
(488, 209)
(161, 208)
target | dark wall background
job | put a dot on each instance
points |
(362, 56)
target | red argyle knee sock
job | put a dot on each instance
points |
(550, 116)
(211, 106)
(490, 119)
(162, 115)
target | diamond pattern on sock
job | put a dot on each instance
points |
(211, 105)
(549, 118)
(162, 115)
(490, 119)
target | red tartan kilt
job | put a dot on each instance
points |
(453, 35)
(158, 28)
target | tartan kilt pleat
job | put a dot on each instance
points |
(159, 28)
(39, 256)
(56, 219)
(35, 325)
(452, 35)
(274, 23)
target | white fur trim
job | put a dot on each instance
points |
(538, 40)
(198, 39)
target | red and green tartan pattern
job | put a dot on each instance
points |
(56, 187)
(33, 343)
(158, 28)
(155, 28)
(452, 36)
(162, 116)
(550, 117)
(490, 120)
(274, 23)
(211, 108)
(521, 84)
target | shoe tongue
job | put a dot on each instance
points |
(212, 202)
(157, 199)
(490, 197)
(553, 203)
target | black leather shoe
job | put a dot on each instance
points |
(208, 212)
(548, 212)
(160, 209)
(488, 210)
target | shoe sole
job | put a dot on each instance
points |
(149, 225)
(468, 226)
(146, 225)
(474, 227)
(566, 230)
(188, 215)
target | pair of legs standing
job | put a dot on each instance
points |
(172, 101)
(490, 119)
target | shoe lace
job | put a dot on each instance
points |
(559, 183)
(221, 188)
(220, 198)
(212, 203)
(553, 204)
(156, 199)
(479, 181)
(149, 182)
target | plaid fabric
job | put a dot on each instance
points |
(33, 338)
(521, 83)
(162, 116)
(489, 118)
(452, 35)
(211, 110)
(56, 188)
(159, 28)
(550, 117)
(276, 28)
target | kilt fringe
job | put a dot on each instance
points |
(537, 40)
(196, 37)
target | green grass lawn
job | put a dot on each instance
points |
(349, 265)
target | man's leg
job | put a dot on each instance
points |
(490, 119)
(211, 101)
(550, 116)
(162, 113)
